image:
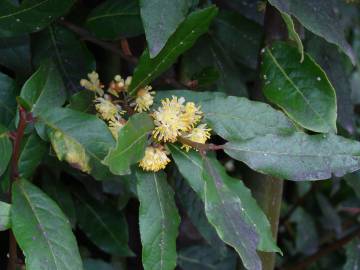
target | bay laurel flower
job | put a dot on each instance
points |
(167, 120)
(115, 125)
(155, 159)
(93, 83)
(191, 116)
(199, 134)
(144, 99)
(119, 85)
(106, 109)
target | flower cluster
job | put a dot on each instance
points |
(175, 120)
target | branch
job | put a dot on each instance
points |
(306, 262)
(202, 147)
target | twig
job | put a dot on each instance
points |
(86, 35)
(125, 47)
(17, 137)
(202, 147)
(305, 263)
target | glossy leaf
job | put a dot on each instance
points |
(15, 55)
(302, 90)
(298, 156)
(318, 17)
(195, 25)
(5, 149)
(64, 48)
(44, 89)
(92, 264)
(42, 230)
(197, 97)
(30, 16)
(225, 211)
(160, 20)
(82, 101)
(84, 147)
(32, 153)
(114, 19)
(103, 224)
(5, 222)
(159, 221)
(7, 99)
(131, 144)
(239, 118)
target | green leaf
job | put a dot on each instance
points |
(70, 55)
(92, 264)
(240, 37)
(4, 216)
(30, 16)
(353, 180)
(204, 257)
(158, 212)
(7, 99)
(161, 19)
(103, 224)
(32, 153)
(194, 96)
(194, 25)
(15, 55)
(352, 255)
(44, 89)
(239, 118)
(79, 138)
(82, 101)
(319, 17)
(221, 192)
(60, 193)
(42, 230)
(293, 35)
(306, 95)
(298, 156)
(331, 219)
(114, 19)
(226, 212)
(190, 165)
(5, 149)
(131, 144)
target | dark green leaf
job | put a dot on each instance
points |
(298, 156)
(203, 257)
(193, 96)
(15, 55)
(56, 189)
(33, 151)
(104, 225)
(30, 16)
(7, 99)
(352, 255)
(4, 216)
(82, 101)
(319, 17)
(331, 219)
(114, 19)
(160, 20)
(44, 89)
(195, 25)
(226, 213)
(81, 139)
(42, 230)
(5, 149)
(240, 37)
(158, 212)
(239, 118)
(71, 56)
(353, 180)
(92, 264)
(131, 144)
(306, 95)
(330, 59)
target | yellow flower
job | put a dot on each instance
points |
(144, 99)
(107, 109)
(155, 159)
(115, 125)
(191, 116)
(200, 134)
(93, 84)
(167, 120)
